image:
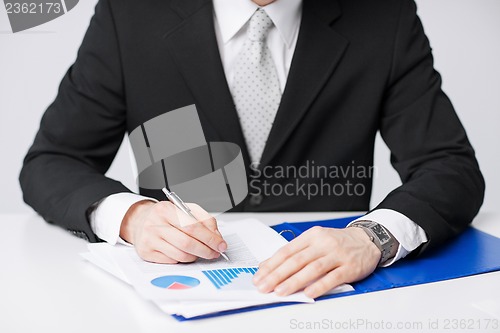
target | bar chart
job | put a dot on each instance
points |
(232, 278)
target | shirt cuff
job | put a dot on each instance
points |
(107, 217)
(409, 234)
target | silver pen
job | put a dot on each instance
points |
(177, 201)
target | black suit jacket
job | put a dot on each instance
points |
(360, 66)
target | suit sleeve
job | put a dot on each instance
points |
(80, 133)
(443, 188)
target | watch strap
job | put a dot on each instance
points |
(381, 237)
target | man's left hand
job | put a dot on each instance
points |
(318, 260)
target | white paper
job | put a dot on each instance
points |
(99, 257)
(249, 242)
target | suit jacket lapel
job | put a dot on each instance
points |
(194, 47)
(318, 51)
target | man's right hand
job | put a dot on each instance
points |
(161, 233)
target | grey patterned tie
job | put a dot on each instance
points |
(256, 90)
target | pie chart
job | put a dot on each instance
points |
(175, 282)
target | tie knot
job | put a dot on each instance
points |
(260, 23)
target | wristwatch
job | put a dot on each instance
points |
(381, 237)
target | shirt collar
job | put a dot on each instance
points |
(232, 15)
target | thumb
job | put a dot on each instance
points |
(204, 217)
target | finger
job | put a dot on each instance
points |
(199, 212)
(155, 257)
(172, 252)
(286, 269)
(326, 283)
(311, 272)
(204, 217)
(211, 225)
(204, 235)
(176, 217)
(187, 243)
(198, 231)
(269, 265)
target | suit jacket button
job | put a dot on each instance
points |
(256, 200)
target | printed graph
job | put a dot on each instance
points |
(232, 278)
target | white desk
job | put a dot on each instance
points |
(46, 287)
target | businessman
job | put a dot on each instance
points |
(302, 86)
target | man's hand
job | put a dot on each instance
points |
(318, 260)
(161, 233)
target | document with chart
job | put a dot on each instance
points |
(249, 242)
(206, 285)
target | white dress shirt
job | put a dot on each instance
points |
(231, 21)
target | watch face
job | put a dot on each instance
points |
(381, 234)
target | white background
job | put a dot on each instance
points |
(464, 34)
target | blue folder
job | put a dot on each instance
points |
(473, 252)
